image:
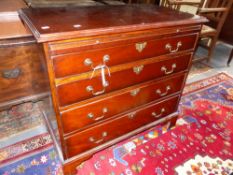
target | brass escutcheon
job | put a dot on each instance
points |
(140, 46)
(12, 73)
(137, 70)
(132, 115)
(134, 92)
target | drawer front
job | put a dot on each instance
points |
(88, 88)
(107, 131)
(70, 64)
(21, 72)
(82, 116)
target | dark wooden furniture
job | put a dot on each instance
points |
(22, 77)
(230, 58)
(11, 5)
(114, 71)
(177, 4)
(226, 34)
(216, 11)
(60, 3)
(73, 3)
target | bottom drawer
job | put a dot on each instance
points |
(97, 135)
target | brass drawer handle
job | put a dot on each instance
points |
(160, 114)
(102, 68)
(12, 73)
(134, 92)
(140, 46)
(164, 69)
(93, 140)
(91, 115)
(91, 89)
(169, 47)
(89, 62)
(138, 69)
(158, 91)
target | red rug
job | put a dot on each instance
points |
(200, 144)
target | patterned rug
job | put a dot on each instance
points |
(20, 118)
(34, 156)
(206, 120)
(207, 107)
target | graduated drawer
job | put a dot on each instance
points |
(85, 115)
(87, 88)
(109, 130)
(76, 63)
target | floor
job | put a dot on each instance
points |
(217, 64)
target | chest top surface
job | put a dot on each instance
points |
(56, 24)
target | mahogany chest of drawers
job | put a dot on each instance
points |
(114, 70)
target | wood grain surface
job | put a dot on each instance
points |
(21, 72)
(57, 24)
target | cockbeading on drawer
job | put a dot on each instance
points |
(85, 61)
(92, 137)
(81, 116)
(77, 89)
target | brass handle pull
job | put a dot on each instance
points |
(160, 114)
(158, 91)
(140, 46)
(134, 92)
(103, 79)
(132, 115)
(91, 115)
(138, 69)
(93, 140)
(91, 89)
(169, 47)
(89, 62)
(164, 69)
(12, 73)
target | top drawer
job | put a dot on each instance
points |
(75, 63)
